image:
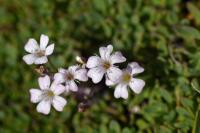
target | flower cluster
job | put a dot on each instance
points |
(65, 80)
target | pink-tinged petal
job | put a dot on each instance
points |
(114, 74)
(44, 82)
(59, 103)
(31, 46)
(29, 59)
(73, 68)
(93, 61)
(49, 49)
(43, 41)
(117, 57)
(62, 70)
(57, 88)
(105, 52)
(44, 107)
(109, 82)
(35, 95)
(59, 78)
(67, 90)
(124, 92)
(96, 74)
(41, 60)
(135, 68)
(137, 85)
(121, 91)
(81, 75)
(73, 86)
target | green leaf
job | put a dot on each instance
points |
(195, 85)
(142, 124)
(114, 127)
(100, 5)
(166, 95)
(187, 32)
(196, 128)
(126, 130)
(194, 11)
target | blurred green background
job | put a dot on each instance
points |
(162, 35)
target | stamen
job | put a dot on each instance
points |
(48, 94)
(106, 65)
(69, 76)
(126, 77)
(40, 53)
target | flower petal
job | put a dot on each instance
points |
(93, 61)
(81, 75)
(135, 68)
(59, 78)
(117, 57)
(43, 41)
(59, 103)
(121, 91)
(72, 86)
(49, 49)
(44, 107)
(109, 82)
(67, 88)
(96, 74)
(44, 82)
(57, 88)
(35, 95)
(114, 74)
(105, 52)
(137, 85)
(62, 70)
(41, 60)
(31, 46)
(73, 68)
(29, 59)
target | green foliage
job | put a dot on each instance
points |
(196, 128)
(162, 35)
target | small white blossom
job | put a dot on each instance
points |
(104, 65)
(70, 75)
(128, 79)
(48, 95)
(38, 54)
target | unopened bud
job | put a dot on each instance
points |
(80, 60)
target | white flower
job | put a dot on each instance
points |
(48, 95)
(38, 54)
(128, 79)
(105, 65)
(69, 76)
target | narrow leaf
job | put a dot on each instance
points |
(187, 32)
(196, 128)
(195, 12)
(195, 85)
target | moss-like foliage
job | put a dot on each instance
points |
(161, 35)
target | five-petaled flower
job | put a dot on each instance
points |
(48, 95)
(69, 76)
(38, 54)
(98, 66)
(127, 78)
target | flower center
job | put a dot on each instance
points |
(69, 76)
(40, 53)
(126, 77)
(106, 65)
(48, 94)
